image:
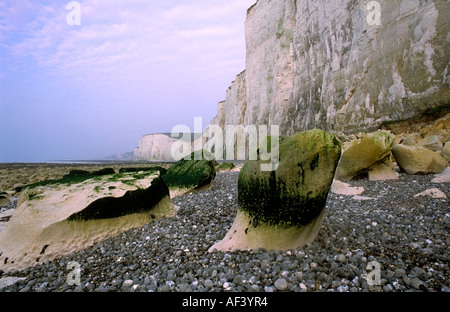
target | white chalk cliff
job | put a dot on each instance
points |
(327, 64)
(155, 147)
(158, 147)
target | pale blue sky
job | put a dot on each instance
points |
(131, 68)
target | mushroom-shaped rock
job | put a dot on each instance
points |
(284, 209)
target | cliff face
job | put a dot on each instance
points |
(158, 147)
(326, 64)
(232, 111)
(155, 147)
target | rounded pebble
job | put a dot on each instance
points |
(405, 237)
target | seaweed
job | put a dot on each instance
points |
(283, 197)
(190, 173)
(138, 201)
(78, 176)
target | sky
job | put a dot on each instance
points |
(81, 80)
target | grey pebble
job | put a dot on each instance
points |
(209, 283)
(171, 254)
(127, 283)
(268, 289)
(281, 284)
(417, 284)
(164, 288)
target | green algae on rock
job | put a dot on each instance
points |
(226, 166)
(133, 201)
(284, 209)
(188, 175)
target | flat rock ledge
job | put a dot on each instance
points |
(58, 217)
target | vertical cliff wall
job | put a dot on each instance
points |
(155, 147)
(158, 147)
(326, 64)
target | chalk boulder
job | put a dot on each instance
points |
(342, 188)
(432, 142)
(418, 160)
(226, 166)
(284, 209)
(191, 175)
(384, 170)
(57, 217)
(444, 177)
(409, 140)
(446, 152)
(433, 193)
(4, 201)
(371, 155)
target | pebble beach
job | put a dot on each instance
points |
(406, 237)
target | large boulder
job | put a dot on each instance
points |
(284, 209)
(4, 201)
(384, 170)
(432, 142)
(418, 160)
(57, 217)
(226, 166)
(190, 174)
(370, 153)
(409, 140)
(446, 152)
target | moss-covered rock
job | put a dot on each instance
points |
(79, 176)
(284, 209)
(188, 175)
(226, 166)
(146, 169)
(363, 154)
(133, 201)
